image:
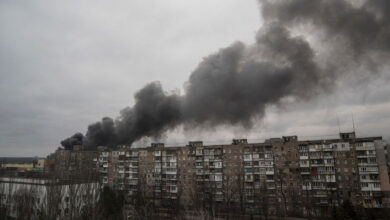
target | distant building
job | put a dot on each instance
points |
(23, 164)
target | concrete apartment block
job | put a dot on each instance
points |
(283, 174)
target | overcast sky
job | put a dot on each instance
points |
(64, 65)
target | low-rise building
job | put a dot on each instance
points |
(44, 198)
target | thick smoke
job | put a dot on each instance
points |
(153, 112)
(365, 28)
(76, 139)
(101, 133)
(236, 84)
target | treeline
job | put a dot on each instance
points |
(112, 205)
(84, 198)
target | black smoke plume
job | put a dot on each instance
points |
(76, 139)
(235, 85)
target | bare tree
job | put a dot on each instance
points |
(262, 199)
(90, 197)
(143, 207)
(8, 187)
(195, 193)
(282, 188)
(230, 192)
(24, 201)
(308, 200)
(240, 188)
(51, 206)
(74, 202)
(4, 206)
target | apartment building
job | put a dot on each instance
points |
(76, 163)
(282, 174)
(209, 172)
(165, 175)
(119, 169)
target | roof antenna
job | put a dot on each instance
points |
(353, 123)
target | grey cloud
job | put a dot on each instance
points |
(63, 66)
(237, 84)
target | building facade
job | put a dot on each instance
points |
(281, 175)
(46, 198)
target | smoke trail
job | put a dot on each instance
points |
(236, 84)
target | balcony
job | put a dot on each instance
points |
(319, 187)
(304, 165)
(199, 172)
(248, 157)
(170, 172)
(366, 164)
(199, 152)
(248, 179)
(369, 180)
(370, 188)
(270, 186)
(365, 147)
(330, 148)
